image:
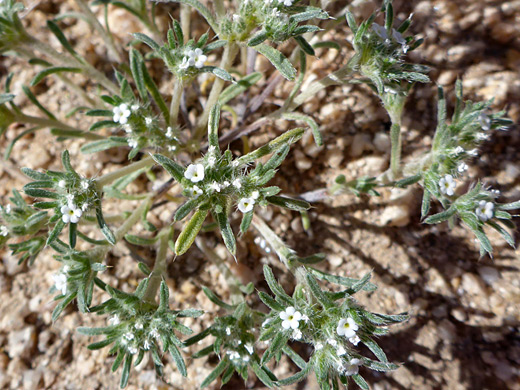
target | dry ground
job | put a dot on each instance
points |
(465, 317)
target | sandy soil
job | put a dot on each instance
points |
(465, 322)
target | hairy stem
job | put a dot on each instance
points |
(112, 176)
(159, 268)
(176, 102)
(107, 38)
(395, 154)
(53, 123)
(230, 52)
(64, 60)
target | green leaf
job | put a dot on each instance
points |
(304, 45)
(221, 367)
(35, 175)
(298, 377)
(101, 145)
(6, 97)
(278, 60)
(154, 91)
(260, 37)
(347, 282)
(61, 37)
(317, 292)
(213, 124)
(275, 346)
(288, 203)
(226, 232)
(136, 64)
(318, 139)
(239, 87)
(62, 305)
(216, 300)
(441, 217)
(126, 371)
(351, 21)
(219, 72)
(179, 361)
(275, 287)
(246, 221)
(103, 226)
(35, 101)
(270, 302)
(376, 349)
(360, 381)
(54, 70)
(190, 231)
(55, 231)
(201, 8)
(174, 169)
(261, 374)
(136, 240)
(147, 40)
(186, 208)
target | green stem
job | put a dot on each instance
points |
(101, 251)
(228, 57)
(220, 9)
(395, 155)
(63, 60)
(333, 79)
(112, 176)
(107, 38)
(185, 21)
(176, 102)
(52, 123)
(284, 253)
(159, 268)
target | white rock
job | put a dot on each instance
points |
(395, 216)
(489, 274)
(382, 142)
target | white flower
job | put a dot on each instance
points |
(266, 321)
(341, 351)
(318, 346)
(226, 184)
(245, 359)
(129, 336)
(154, 333)
(172, 148)
(496, 193)
(233, 355)
(462, 167)
(332, 342)
(169, 132)
(147, 344)
(60, 282)
(485, 121)
(196, 58)
(473, 152)
(287, 3)
(228, 331)
(400, 40)
(249, 348)
(380, 30)
(84, 207)
(484, 210)
(62, 184)
(4, 231)
(148, 121)
(447, 185)
(132, 143)
(296, 334)
(237, 183)
(194, 191)
(132, 349)
(139, 325)
(135, 107)
(291, 318)
(235, 163)
(127, 128)
(236, 18)
(121, 113)
(347, 327)
(212, 161)
(215, 186)
(85, 184)
(459, 150)
(7, 209)
(255, 195)
(305, 318)
(195, 173)
(354, 340)
(352, 368)
(70, 214)
(114, 320)
(246, 204)
(185, 64)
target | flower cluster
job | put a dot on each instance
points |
(193, 57)
(122, 113)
